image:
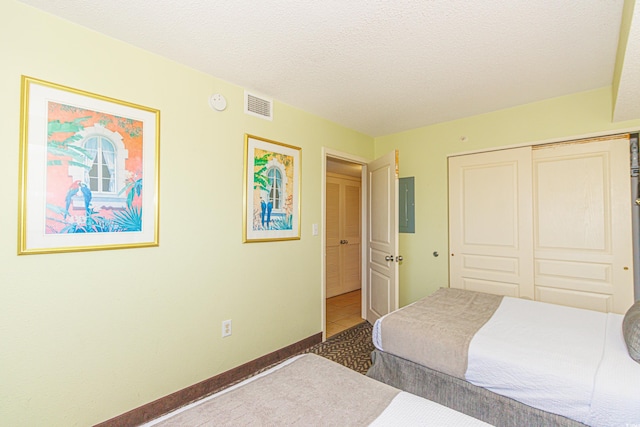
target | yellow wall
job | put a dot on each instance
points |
(87, 336)
(424, 151)
(625, 26)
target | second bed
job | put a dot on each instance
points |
(510, 361)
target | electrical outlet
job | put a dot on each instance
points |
(226, 328)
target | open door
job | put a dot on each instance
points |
(382, 237)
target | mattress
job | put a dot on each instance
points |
(309, 390)
(562, 360)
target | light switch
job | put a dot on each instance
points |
(314, 229)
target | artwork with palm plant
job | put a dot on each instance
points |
(94, 169)
(272, 190)
(94, 203)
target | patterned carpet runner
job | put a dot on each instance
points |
(351, 348)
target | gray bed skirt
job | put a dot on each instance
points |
(460, 395)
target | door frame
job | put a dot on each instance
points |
(328, 153)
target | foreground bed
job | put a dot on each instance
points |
(310, 390)
(512, 362)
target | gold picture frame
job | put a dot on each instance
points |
(89, 171)
(271, 190)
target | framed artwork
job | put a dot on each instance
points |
(89, 177)
(271, 190)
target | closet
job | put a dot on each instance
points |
(549, 222)
(343, 241)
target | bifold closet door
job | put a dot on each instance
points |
(490, 224)
(343, 242)
(582, 233)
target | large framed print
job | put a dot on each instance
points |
(89, 171)
(271, 190)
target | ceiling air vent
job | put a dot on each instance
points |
(258, 106)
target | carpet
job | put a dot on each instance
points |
(351, 348)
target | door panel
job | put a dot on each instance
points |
(551, 222)
(382, 236)
(572, 199)
(490, 226)
(380, 296)
(332, 250)
(343, 241)
(352, 250)
(491, 287)
(574, 298)
(582, 211)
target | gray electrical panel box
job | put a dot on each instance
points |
(406, 211)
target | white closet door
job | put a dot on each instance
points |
(582, 213)
(343, 244)
(490, 223)
(333, 274)
(351, 230)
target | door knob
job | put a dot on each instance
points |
(388, 258)
(399, 258)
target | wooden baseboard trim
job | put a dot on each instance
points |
(209, 386)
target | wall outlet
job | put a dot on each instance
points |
(226, 328)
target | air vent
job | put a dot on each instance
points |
(258, 106)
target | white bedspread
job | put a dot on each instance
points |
(559, 359)
(616, 397)
(407, 409)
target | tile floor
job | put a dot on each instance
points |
(343, 312)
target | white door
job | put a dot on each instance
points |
(490, 226)
(382, 237)
(343, 230)
(583, 251)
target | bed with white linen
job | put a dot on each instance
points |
(511, 361)
(309, 390)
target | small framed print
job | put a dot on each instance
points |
(271, 190)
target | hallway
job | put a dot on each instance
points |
(343, 312)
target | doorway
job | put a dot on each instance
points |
(378, 238)
(343, 245)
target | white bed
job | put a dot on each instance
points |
(309, 390)
(562, 360)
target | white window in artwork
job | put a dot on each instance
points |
(275, 194)
(103, 172)
(102, 175)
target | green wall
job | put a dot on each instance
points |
(424, 151)
(87, 336)
(625, 27)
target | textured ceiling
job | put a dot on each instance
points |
(376, 66)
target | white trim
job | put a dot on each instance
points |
(609, 132)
